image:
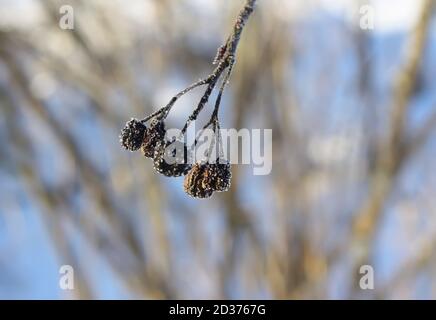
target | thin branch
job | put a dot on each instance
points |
(225, 59)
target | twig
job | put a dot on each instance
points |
(225, 59)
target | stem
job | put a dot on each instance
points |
(220, 144)
(213, 80)
(241, 20)
(212, 144)
(225, 59)
(202, 130)
(223, 86)
(173, 100)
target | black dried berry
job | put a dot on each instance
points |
(153, 135)
(171, 158)
(132, 135)
(197, 182)
(223, 174)
(206, 178)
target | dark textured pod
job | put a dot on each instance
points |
(132, 135)
(198, 183)
(224, 175)
(171, 158)
(206, 178)
(152, 137)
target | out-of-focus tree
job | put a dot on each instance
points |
(352, 181)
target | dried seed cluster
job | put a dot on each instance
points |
(154, 135)
(171, 158)
(132, 135)
(206, 178)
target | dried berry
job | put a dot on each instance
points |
(153, 135)
(132, 135)
(224, 175)
(171, 158)
(206, 178)
(197, 182)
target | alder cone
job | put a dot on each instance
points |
(205, 178)
(224, 176)
(197, 182)
(132, 135)
(171, 158)
(152, 137)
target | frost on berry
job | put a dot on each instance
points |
(171, 158)
(132, 135)
(206, 178)
(224, 175)
(197, 182)
(153, 135)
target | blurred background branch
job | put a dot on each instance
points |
(353, 147)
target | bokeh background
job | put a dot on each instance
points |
(353, 114)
